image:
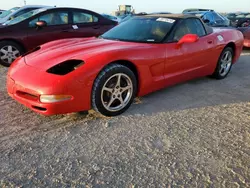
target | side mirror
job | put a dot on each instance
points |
(41, 23)
(188, 38)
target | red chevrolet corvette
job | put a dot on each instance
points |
(139, 56)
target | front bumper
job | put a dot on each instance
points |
(25, 84)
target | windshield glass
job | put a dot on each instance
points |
(24, 16)
(221, 20)
(8, 12)
(126, 18)
(138, 29)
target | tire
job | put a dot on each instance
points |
(9, 51)
(107, 88)
(218, 73)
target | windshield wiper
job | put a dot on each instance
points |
(109, 38)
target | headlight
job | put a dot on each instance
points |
(65, 67)
(54, 98)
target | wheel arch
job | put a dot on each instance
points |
(15, 41)
(128, 64)
(117, 63)
(233, 46)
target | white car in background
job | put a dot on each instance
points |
(17, 11)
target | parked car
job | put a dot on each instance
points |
(160, 13)
(17, 11)
(114, 18)
(195, 10)
(246, 34)
(130, 60)
(210, 17)
(239, 19)
(1, 11)
(43, 25)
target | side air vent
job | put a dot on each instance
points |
(65, 67)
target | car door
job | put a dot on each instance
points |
(191, 59)
(85, 24)
(57, 28)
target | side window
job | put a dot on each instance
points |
(180, 31)
(54, 18)
(189, 26)
(32, 23)
(195, 27)
(81, 17)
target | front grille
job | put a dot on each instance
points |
(27, 95)
(39, 108)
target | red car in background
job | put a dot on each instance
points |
(246, 34)
(47, 24)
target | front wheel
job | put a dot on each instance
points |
(114, 90)
(224, 64)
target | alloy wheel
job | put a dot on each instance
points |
(9, 53)
(116, 92)
(226, 63)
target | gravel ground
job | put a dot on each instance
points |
(195, 134)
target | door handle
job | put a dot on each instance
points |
(96, 27)
(210, 42)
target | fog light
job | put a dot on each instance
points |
(54, 98)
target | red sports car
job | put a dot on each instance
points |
(246, 34)
(137, 57)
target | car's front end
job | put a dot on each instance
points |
(44, 92)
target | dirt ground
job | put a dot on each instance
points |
(195, 134)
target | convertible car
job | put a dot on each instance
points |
(137, 57)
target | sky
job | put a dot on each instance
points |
(107, 6)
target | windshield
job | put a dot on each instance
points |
(24, 16)
(126, 18)
(221, 20)
(138, 29)
(8, 12)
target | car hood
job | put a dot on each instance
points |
(52, 53)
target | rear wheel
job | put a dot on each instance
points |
(9, 51)
(224, 64)
(114, 90)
